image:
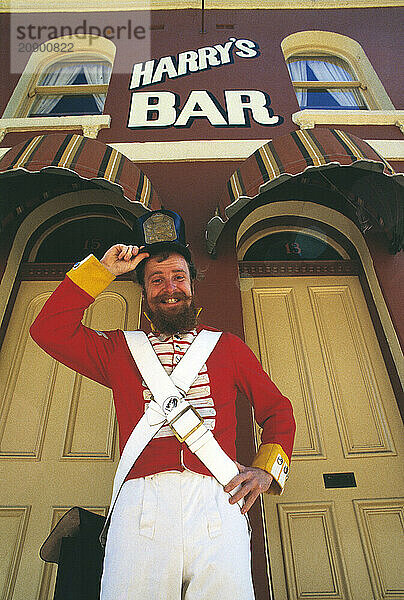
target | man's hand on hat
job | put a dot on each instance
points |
(121, 258)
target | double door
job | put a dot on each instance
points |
(337, 531)
(58, 437)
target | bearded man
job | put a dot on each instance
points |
(178, 527)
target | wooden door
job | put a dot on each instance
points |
(315, 338)
(58, 437)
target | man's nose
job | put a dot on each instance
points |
(170, 285)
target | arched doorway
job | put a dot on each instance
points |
(307, 319)
(58, 438)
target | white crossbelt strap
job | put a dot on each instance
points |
(169, 406)
(181, 416)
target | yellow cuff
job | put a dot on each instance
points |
(91, 276)
(273, 459)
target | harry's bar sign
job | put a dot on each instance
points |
(162, 109)
(192, 61)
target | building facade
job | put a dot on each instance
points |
(276, 130)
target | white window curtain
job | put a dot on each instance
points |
(323, 71)
(327, 71)
(63, 76)
(95, 74)
(298, 72)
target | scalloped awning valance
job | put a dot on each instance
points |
(366, 186)
(49, 165)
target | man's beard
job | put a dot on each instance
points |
(182, 321)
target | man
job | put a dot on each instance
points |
(175, 532)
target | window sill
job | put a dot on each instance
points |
(89, 124)
(309, 118)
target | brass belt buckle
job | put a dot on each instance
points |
(201, 422)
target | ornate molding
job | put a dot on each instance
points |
(91, 131)
(297, 268)
(44, 271)
(89, 124)
(309, 118)
(53, 272)
(400, 125)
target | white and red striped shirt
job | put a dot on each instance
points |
(170, 350)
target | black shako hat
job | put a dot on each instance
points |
(161, 230)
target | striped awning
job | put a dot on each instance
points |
(299, 154)
(74, 156)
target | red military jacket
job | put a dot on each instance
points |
(105, 358)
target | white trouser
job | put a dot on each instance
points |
(175, 536)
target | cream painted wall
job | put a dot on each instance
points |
(15, 6)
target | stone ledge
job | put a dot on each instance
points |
(90, 125)
(309, 118)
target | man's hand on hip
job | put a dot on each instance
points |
(252, 481)
(121, 259)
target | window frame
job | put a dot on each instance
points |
(15, 114)
(381, 110)
(83, 89)
(328, 43)
(354, 85)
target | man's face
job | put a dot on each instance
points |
(168, 294)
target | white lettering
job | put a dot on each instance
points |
(239, 101)
(190, 61)
(160, 109)
(165, 67)
(141, 74)
(247, 48)
(207, 56)
(187, 61)
(152, 109)
(224, 52)
(198, 105)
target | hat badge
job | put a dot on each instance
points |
(159, 227)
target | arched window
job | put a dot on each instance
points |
(292, 244)
(78, 236)
(57, 83)
(331, 71)
(76, 86)
(325, 82)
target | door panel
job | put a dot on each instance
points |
(309, 528)
(58, 437)
(351, 370)
(315, 338)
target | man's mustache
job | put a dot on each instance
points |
(177, 295)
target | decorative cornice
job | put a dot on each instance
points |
(89, 124)
(57, 271)
(309, 118)
(53, 272)
(44, 271)
(297, 268)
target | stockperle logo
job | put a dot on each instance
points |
(151, 109)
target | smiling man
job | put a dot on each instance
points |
(168, 298)
(178, 527)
